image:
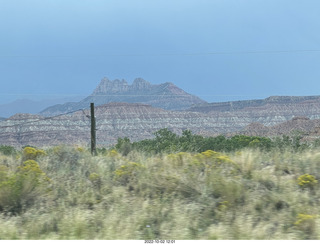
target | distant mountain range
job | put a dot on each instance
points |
(294, 102)
(275, 116)
(149, 108)
(30, 106)
(166, 96)
(269, 111)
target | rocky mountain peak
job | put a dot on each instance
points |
(172, 88)
(140, 84)
(165, 95)
(107, 86)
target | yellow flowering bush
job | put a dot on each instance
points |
(307, 181)
(80, 149)
(32, 153)
(211, 158)
(210, 154)
(215, 157)
(21, 188)
(31, 167)
(306, 223)
(303, 218)
(113, 153)
(127, 172)
(223, 205)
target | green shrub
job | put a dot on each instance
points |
(7, 150)
(123, 146)
(166, 141)
(95, 180)
(64, 157)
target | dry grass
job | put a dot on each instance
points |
(241, 195)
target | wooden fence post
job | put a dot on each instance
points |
(93, 131)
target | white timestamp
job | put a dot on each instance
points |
(159, 241)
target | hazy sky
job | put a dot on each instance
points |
(216, 49)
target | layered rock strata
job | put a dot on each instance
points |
(139, 121)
